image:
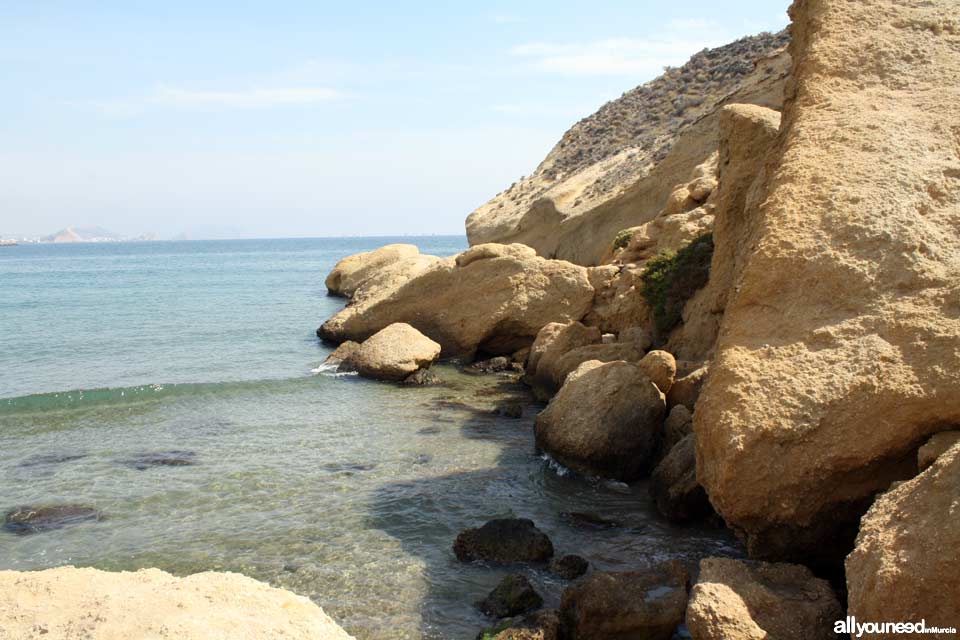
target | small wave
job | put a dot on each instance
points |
(330, 371)
(133, 395)
(556, 467)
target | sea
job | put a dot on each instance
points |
(178, 389)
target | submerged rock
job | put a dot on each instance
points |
(394, 353)
(504, 541)
(35, 519)
(513, 596)
(50, 459)
(144, 461)
(349, 468)
(509, 410)
(736, 600)
(606, 421)
(637, 604)
(569, 567)
(589, 520)
(422, 378)
(498, 364)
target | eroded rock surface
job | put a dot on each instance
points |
(838, 351)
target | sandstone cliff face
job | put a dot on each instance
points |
(617, 168)
(839, 351)
(68, 603)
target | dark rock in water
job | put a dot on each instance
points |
(513, 596)
(493, 365)
(674, 487)
(509, 410)
(422, 378)
(349, 467)
(49, 459)
(291, 568)
(32, 519)
(637, 604)
(429, 431)
(145, 461)
(505, 540)
(569, 567)
(539, 625)
(589, 520)
(423, 458)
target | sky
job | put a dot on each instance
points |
(311, 118)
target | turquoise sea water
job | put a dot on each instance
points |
(345, 490)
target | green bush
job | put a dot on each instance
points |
(622, 239)
(670, 279)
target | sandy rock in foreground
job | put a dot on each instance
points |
(839, 351)
(67, 603)
(906, 565)
(736, 600)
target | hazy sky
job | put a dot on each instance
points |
(311, 118)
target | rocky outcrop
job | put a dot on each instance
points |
(735, 600)
(686, 388)
(393, 353)
(491, 298)
(67, 603)
(569, 567)
(838, 351)
(905, 566)
(605, 421)
(504, 540)
(610, 606)
(618, 304)
(618, 168)
(352, 272)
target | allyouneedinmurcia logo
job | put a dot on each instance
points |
(860, 629)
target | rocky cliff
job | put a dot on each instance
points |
(617, 168)
(839, 351)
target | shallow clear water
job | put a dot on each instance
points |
(345, 490)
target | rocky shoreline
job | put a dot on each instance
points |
(772, 348)
(757, 316)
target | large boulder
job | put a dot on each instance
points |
(68, 603)
(674, 487)
(492, 298)
(839, 350)
(351, 272)
(736, 600)
(605, 421)
(393, 353)
(559, 349)
(504, 540)
(642, 605)
(539, 625)
(906, 564)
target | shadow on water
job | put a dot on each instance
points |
(425, 515)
